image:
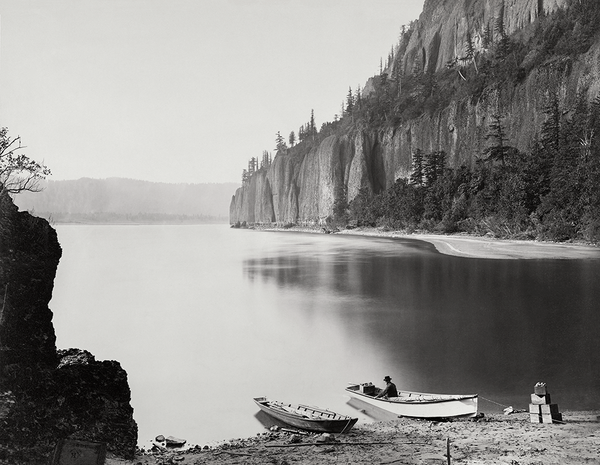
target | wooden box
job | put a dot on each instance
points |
(368, 389)
(540, 400)
(540, 389)
(549, 408)
(547, 413)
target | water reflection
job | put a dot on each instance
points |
(456, 325)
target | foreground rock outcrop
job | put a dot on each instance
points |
(47, 395)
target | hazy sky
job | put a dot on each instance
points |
(181, 90)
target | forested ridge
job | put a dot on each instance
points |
(548, 191)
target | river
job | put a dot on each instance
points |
(203, 318)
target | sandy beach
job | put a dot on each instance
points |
(494, 439)
(483, 247)
(479, 247)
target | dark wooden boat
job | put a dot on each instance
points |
(305, 417)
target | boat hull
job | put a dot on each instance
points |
(306, 418)
(421, 405)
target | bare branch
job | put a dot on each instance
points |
(18, 173)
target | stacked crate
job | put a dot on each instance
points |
(541, 410)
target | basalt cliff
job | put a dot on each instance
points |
(303, 182)
(48, 395)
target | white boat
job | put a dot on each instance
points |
(417, 404)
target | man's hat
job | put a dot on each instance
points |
(387, 378)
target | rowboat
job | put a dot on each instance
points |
(417, 404)
(305, 417)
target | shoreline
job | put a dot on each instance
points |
(467, 246)
(493, 438)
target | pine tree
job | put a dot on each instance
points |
(266, 159)
(498, 150)
(488, 37)
(280, 142)
(416, 177)
(434, 164)
(550, 135)
(349, 101)
(469, 47)
(504, 45)
(470, 51)
(252, 166)
(311, 125)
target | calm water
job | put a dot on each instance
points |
(203, 318)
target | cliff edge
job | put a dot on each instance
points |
(440, 33)
(443, 101)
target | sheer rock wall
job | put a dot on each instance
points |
(303, 185)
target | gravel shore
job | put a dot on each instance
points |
(492, 439)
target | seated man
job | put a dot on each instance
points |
(389, 390)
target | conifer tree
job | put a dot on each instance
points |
(266, 159)
(311, 125)
(349, 101)
(550, 135)
(488, 37)
(416, 177)
(498, 150)
(503, 46)
(470, 50)
(434, 164)
(280, 142)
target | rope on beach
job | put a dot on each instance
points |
(494, 402)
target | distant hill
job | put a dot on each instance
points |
(128, 200)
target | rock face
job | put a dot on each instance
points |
(29, 255)
(47, 395)
(301, 185)
(441, 31)
(98, 398)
